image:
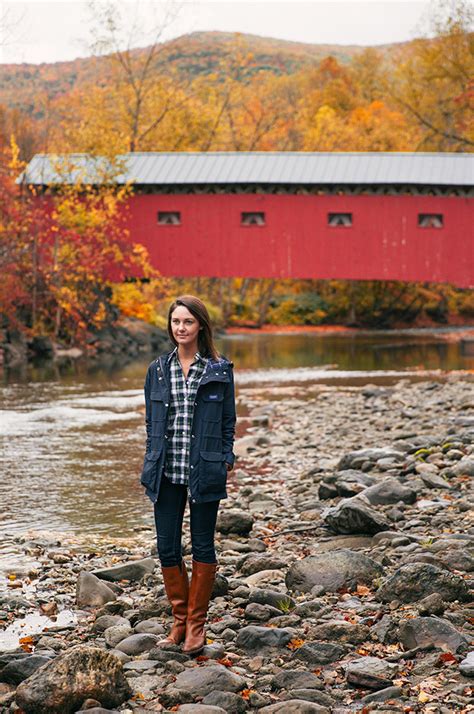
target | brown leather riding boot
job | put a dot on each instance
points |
(202, 582)
(176, 583)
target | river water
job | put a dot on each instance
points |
(73, 437)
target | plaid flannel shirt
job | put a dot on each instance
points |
(180, 417)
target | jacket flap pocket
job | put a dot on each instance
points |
(213, 397)
(212, 455)
(157, 395)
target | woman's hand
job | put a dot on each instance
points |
(229, 466)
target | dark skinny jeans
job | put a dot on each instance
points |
(169, 512)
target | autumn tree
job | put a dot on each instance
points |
(433, 81)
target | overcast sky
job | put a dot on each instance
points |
(55, 30)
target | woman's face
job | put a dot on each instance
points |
(185, 326)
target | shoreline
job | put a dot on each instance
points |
(452, 333)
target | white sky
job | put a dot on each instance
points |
(54, 30)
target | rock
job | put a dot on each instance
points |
(19, 669)
(60, 686)
(92, 592)
(416, 580)
(152, 626)
(351, 482)
(200, 709)
(311, 695)
(294, 706)
(423, 631)
(464, 467)
(254, 637)
(431, 605)
(382, 695)
(228, 701)
(319, 652)
(355, 459)
(296, 679)
(133, 570)
(329, 572)
(234, 521)
(255, 563)
(103, 622)
(434, 480)
(200, 681)
(342, 631)
(370, 672)
(466, 667)
(117, 633)
(353, 515)
(277, 599)
(260, 613)
(136, 644)
(389, 490)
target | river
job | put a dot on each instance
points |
(73, 437)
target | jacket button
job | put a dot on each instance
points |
(194, 500)
(193, 436)
(160, 378)
(192, 466)
(166, 405)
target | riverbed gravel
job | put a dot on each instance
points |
(345, 578)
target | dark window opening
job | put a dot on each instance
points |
(253, 219)
(430, 220)
(169, 218)
(340, 219)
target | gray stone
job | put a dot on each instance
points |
(201, 709)
(255, 637)
(354, 515)
(200, 681)
(464, 467)
(422, 631)
(389, 490)
(350, 482)
(134, 570)
(153, 626)
(331, 571)
(92, 592)
(234, 521)
(370, 672)
(282, 601)
(61, 686)
(296, 679)
(319, 652)
(294, 706)
(342, 631)
(229, 701)
(138, 643)
(19, 669)
(466, 667)
(254, 563)
(416, 580)
(103, 622)
(260, 613)
(354, 459)
(117, 633)
(382, 695)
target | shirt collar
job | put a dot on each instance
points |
(197, 357)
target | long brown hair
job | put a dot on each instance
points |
(197, 308)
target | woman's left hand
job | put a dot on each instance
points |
(229, 466)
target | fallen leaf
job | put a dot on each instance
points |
(295, 644)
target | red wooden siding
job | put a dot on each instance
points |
(383, 243)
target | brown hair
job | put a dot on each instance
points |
(197, 308)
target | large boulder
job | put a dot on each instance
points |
(60, 686)
(133, 570)
(328, 572)
(414, 581)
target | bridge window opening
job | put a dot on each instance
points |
(430, 220)
(339, 219)
(252, 219)
(169, 218)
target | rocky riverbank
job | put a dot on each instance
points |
(345, 574)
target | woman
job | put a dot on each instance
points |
(190, 425)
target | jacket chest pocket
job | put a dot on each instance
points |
(212, 405)
(159, 405)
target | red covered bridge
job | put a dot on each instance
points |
(357, 216)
